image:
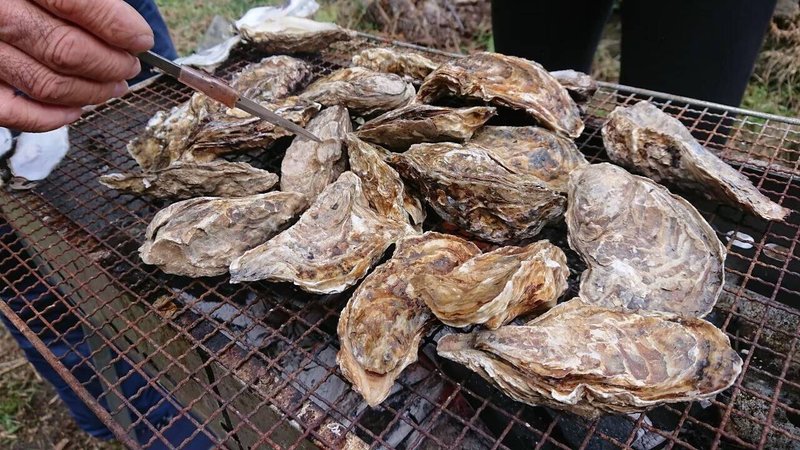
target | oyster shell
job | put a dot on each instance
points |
(470, 187)
(168, 135)
(289, 34)
(223, 133)
(381, 326)
(182, 181)
(309, 166)
(494, 288)
(36, 155)
(506, 81)
(533, 151)
(330, 248)
(581, 87)
(361, 90)
(201, 236)
(649, 141)
(645, 248)
(385, 190)
(404, 63)
(417, 123)
(590, 360)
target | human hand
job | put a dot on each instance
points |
(65, 54)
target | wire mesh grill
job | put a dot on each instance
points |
(253, 365)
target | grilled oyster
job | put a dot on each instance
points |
(288, 34)
(506, 81)
(581, 87)
(494, 288)
(383, 187)
(361, 90)
(645, 248)
(591, 360)
(168, 134)
(416, 123)
(470, 187)
(185, 180)
(389, 60)
(310, 166)
(330, 248)
(533, 151)
(201, 236)
(223, 133)
(649, 141)
(381, 326)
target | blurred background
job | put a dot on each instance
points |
(31, 417)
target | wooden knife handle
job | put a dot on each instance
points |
(211, 86)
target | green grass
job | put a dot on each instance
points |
(18, 396)
(761, 97)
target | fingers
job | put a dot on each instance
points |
(24, 114)
(61, 46)
(43, 84)
(113, 21)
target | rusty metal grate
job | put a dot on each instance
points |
(255, 363)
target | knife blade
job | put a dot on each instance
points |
(221, 92)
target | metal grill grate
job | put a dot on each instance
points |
(255, 363)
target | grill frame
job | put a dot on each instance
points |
(194, 339)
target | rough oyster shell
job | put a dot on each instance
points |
(404, 63)
(385, 190)
(470, 187)
(361, 90)
(506, 81)
(381, 326)
(591, 360)
(223, 133)
(330, 248)
(181, 181)
(168, 134)
(581, 87)
(309, 166)
(533, 151)
(201, 236)
(417, 123)
(649, 141)
(645, 248)
(288, 34)
(494, 288)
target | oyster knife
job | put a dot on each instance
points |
(221, 92)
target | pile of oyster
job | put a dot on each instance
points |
(434, 161)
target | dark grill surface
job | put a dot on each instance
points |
(255, 363)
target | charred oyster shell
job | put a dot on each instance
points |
(223, 133)
(469, 186)
(201, 236)
(581, 87)
(404, 63)
(417, 123)
(385, 190)
(646, 249)
(289, 34)
(506, 81)
(309, 166)
(649, 141)
(382, 324)
(533, 151)
(494, 288)
(590, 360)
(361, 90)
(330, 248)
(182, 181)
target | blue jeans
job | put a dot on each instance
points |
(68, 342)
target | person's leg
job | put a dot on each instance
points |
(556, 34)
(699, 49)
(163, 42)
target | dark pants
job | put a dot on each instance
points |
(701, 49)
(60, 330)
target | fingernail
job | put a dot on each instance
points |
(72, 116)
(143, 42)
(135, 70)
(120, 89)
